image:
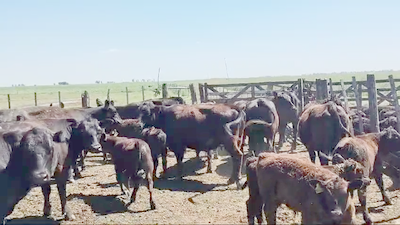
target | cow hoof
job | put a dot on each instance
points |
(388, 202)
(209, 170)
(46, 212)
(152, 206)
(240, 183)
(71, 180)
(69, 217)
(231, 181)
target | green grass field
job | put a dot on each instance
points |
(71, 94)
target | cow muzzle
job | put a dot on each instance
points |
(337, 216)
(40, 178)
(95, 148)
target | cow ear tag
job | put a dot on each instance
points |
(318, 189)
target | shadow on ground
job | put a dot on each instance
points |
(103, 204)
(33, 220)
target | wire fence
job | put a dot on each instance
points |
(22, 97)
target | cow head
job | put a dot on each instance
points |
(284, 100)
(149, 113)
(33, 160)
(333, 204)
(82, 135)
(108, 111)
(389, 141)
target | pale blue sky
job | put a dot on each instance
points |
(43, 42)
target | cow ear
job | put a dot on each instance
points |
(12, 138)
(337, 158)
(112, 102)
(60, 137)
(358, 184)
(103, 137)
(316, 185)
(106, 103)
(73, 122)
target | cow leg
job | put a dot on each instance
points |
(216, 152)
(134, 192)
(179, 152)
(77, 172)
(236, 163)
(120, 180)
(294, 143)
(379, 182)
(164, 160)
(270, 213)
(312, 154)
(362, 196)
(149, 183)
(254, 209)
(46, 190)
(281, 131)
(82, 161)
(209, 161)
(62, 191)
(155, 163)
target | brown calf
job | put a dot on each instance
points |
(155, 138)
(369, 150)
(321, 195)
(129, 156)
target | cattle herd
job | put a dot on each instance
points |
(40, 145)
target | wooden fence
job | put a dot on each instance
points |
(311, 90)
(354, 93)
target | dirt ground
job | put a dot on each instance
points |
(200, 198)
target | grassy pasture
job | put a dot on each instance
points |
(71, 94)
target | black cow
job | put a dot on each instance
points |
(71, 137)
(262, 117)
(26, 160)
(287, 105)
(202, 127)
(131, 111)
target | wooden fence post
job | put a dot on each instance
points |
(331, 88)
(35, 99)
(193, 94)
(395, 100)
(59, 98)
(164, 91)
(253, 92)
(143, 93)
(205, 92)
(372, 99)
(322, 89)
(358, 103)
(9, 101)
(127, 95)
(346, 103)
(301, 94)
(85, 100)
(201, 93)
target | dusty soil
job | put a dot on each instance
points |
(200, 198)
